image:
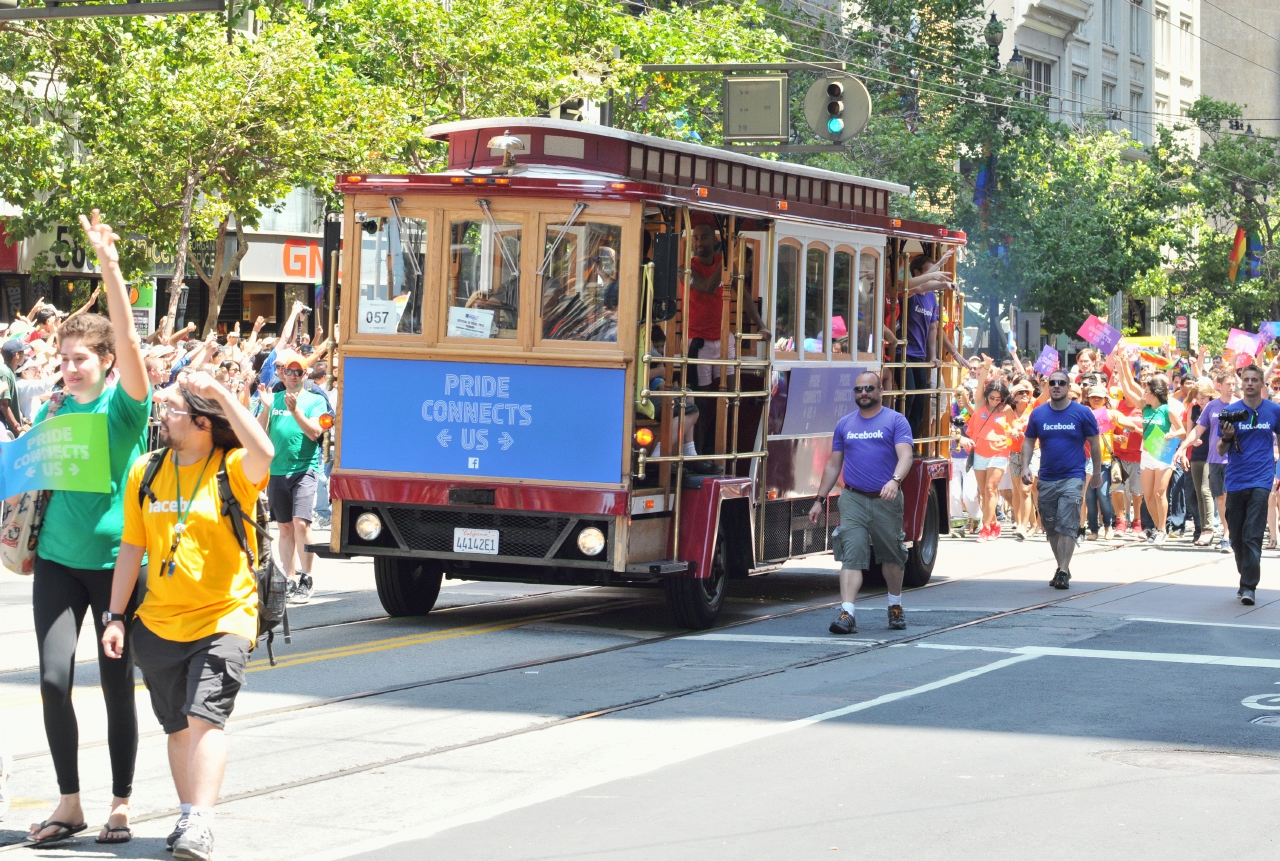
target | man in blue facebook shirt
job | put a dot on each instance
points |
(1063, 428)
(1250, 475)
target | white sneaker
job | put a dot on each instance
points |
(1160, 538)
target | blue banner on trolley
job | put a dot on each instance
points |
(545, 423)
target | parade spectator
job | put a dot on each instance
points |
(1153, 397)
(872, 451)
(291, 418)
(1207, 425)
(1193, 457)
(1063, 429)
(35, 384)
(317, 382)
(77, 549)
(198, 621)
(14, 355)
(1023, 393)
(990, 430)
(1250, 475)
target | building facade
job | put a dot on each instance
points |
(1240, 59)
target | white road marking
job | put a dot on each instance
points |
(638, 766)
(764, 638)
(1207, 624)
(1115, 655)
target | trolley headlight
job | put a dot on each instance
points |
(591, 541)
(368, 526)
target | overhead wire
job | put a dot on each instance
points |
(1241, 20)
(1137, 4)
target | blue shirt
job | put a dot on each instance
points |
(268, 375)
(1062, 434)
(1254, 465)
(868, 446)
(922, 312)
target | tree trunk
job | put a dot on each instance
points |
(180, 256)
(223, 275)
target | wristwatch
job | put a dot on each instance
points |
(108, 617)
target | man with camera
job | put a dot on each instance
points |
(1248, 429)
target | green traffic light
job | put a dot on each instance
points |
(835, 125)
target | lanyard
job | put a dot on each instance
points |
(171, 563)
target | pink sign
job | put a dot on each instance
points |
(1048, 361)
(1104, 419)
(1245, 342)
(1099, 334)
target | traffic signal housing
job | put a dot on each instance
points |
(837, 107)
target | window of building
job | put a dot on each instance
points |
(1135, 110)
(1162, 111)
(1109, 104)
(1185, 47)
(1135, 29)
(1162, 35)
(1109, 22)
(1077, 97)
(1040, 81)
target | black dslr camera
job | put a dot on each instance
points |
(1232, 417)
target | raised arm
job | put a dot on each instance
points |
(133, 373)
(1128, 385)
(258, 449)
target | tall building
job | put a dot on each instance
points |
(1240, 58)
(1115, 61)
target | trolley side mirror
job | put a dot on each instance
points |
(666, 275)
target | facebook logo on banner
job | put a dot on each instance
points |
(547, 423)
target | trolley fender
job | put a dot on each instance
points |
(700, 519)
(915, 491)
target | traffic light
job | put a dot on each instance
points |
(837, 107)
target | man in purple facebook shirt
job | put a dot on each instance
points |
(872, 450)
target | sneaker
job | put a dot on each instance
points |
(323, 521)
(1159, 538)
(995, 530)
(844, 624)
(1061, 580)
(178, 827)
(984, 534)
(1225, 546)
(4, 784)
(1122, 526)
(1246, 597)
(194, 844)
(300, 590)
(1135, 529)
(897, 618)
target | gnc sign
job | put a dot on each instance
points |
(301, 258)
(287, 259)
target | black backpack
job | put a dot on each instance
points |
(273, 586)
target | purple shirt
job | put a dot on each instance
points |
(922, 312)
(868, 446)
(1208, 419)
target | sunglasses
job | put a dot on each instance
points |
(294, 372)
(864, 389)
(165, 410)
(1059, 383)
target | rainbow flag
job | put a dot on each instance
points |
(1161, 362)
(1238, 250)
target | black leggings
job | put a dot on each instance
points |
(59, 598)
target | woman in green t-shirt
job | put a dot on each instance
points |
(1158, 420)
(78, 545)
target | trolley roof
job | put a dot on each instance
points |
(581, 160)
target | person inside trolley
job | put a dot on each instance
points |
(872, 451)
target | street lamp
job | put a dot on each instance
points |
(994, 34)
(1017, 67)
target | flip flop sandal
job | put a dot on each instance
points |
(64, 832)
(119, 829)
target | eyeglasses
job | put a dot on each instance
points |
(297, 372)
(858, 390)
(165, 410)
(1059, 383)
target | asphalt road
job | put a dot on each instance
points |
(1136, 715)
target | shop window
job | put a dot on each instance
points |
(484, 279)
(580, 282)
(392, 259)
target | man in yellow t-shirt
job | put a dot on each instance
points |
(193, 632)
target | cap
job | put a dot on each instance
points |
(1097, 391)
(12, 348)
(29, 363)
(286, 358)
(838, 328)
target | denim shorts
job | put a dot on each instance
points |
(984, 463)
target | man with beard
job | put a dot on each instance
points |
(872, 449)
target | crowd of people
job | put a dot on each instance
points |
(195, 427)
(1162, 471)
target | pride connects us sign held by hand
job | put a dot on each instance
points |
(64, 453)
(1101, 335)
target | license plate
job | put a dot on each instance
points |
(475, 541)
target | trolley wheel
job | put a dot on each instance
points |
(407, 587)
(695, 601)
(924, 553)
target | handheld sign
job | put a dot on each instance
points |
(1048, 361)
(63, 453)
(1270, 330)
(1159, 446)
(1101, 335)
(1245, 342)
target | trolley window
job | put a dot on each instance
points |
(788, 281)
(483, 279)
(392, 261)
(868, 278)
(580, 282)
(815, 301)
(842, 325)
